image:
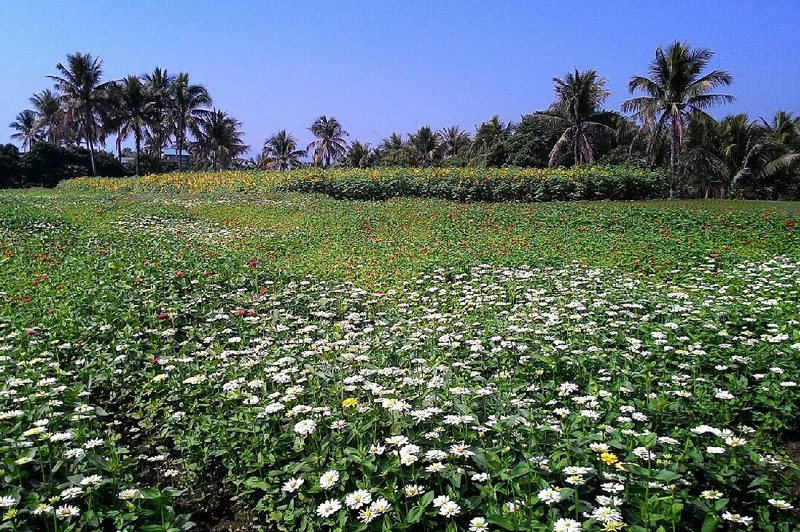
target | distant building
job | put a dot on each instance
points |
(172, 155)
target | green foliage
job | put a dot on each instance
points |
(477, 184)
(190, 334)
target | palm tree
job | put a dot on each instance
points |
(577, 110)
(26, 127)
(82, 92)
(675, 89)
(721, 154)
(159, 86)
(280, 152)
(359, 155)
(133, 112)
(784, 133)
(393, 151)
(330, 143)
(50, 114)
(392, 142)
(426, 145)
(219, 139)
(454, 139)
(188, 102)
(491, 132)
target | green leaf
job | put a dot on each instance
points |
(711, 523)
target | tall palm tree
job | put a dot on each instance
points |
(219, 139)
(359, 155)
(721, 154)
(426, 145)
(394, 151)
(491, 132)
(330, 143)
(577, 110)
(454, 139)
(280, 151)
(159, 86)
(134, 110)
(82, 92)
(675, 89)
(784, 133)
(188, 104)
(392, 142)
(26, 127)
(50, 114)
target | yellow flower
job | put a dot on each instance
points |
(609, 458)
(350, 402)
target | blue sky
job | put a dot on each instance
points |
(383, 67)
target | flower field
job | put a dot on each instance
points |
(457, 184)
(285, 361)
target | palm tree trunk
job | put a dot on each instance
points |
(138, 143)
(89, 142)
(674, 153)
(180, 151)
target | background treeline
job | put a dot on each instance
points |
(663, 126)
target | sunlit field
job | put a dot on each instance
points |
(287, 361)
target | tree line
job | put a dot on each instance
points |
(664, 124)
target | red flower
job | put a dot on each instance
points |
(179, 274)
(156, 360)
(163, 316)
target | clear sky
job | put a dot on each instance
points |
(384, 66)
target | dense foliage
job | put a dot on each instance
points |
(459, 184)
(286, 361)
(47, 164)
(666, 128)
(480, 184)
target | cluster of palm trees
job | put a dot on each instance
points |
(664, 124)
(155, 110)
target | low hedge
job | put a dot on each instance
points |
(456, 184)
(481, 184)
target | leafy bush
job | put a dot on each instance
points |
(457, 184)
(481, 184)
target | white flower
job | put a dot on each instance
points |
(567, 525)
(780, 503)
(8, 502)
(329, 479)
(435, 467)
(305, 427)
(328, 508)
(736, 518)
(357, 499)
(461, 450)
(604, 514)
(413, 490)
(91, 480)
(715, 450)
(71, 493)
(380, 506)
(292, 484)
(440, 500)
(550, 496)
(42, 509)
(449, 509)
(129, 494)
(67, 511)
(734, 441)
(478, 524)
